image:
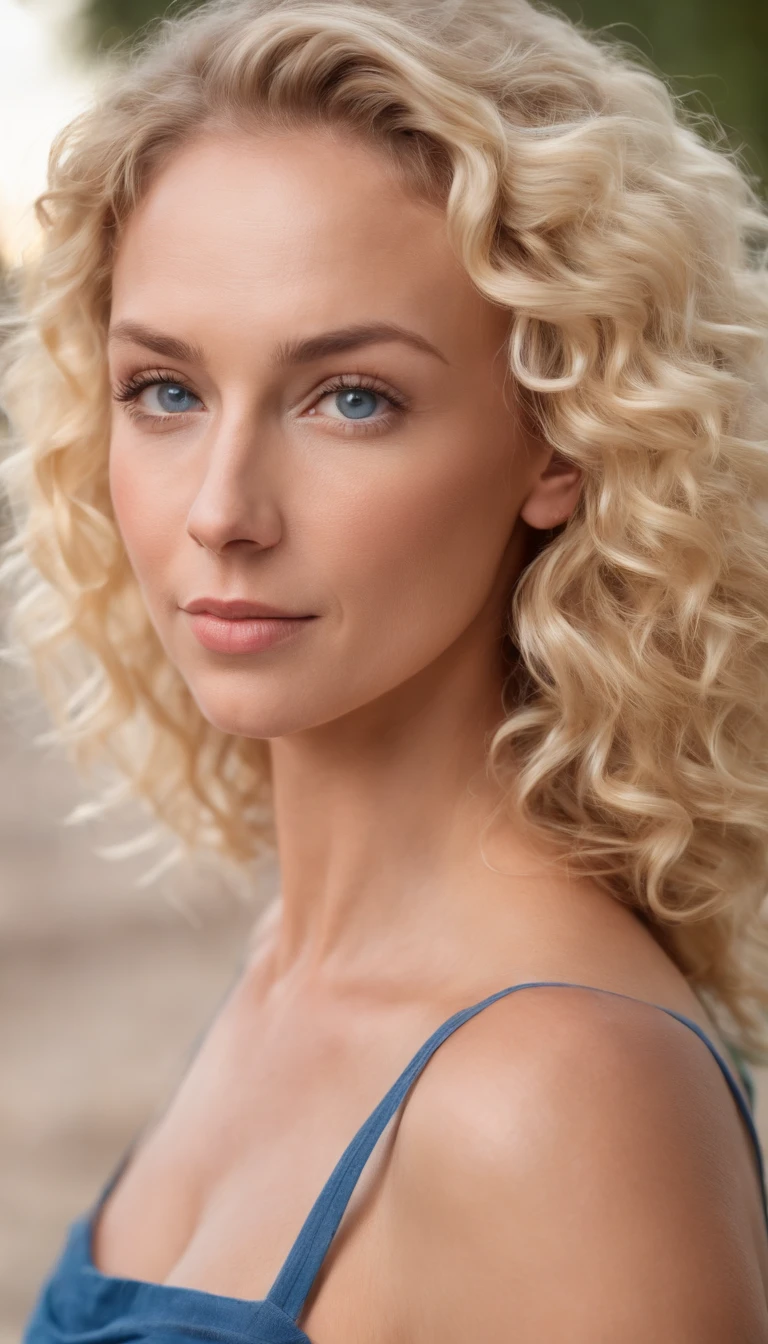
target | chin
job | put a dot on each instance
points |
(248, 718)
(244, 708)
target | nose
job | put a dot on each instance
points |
(236, 502)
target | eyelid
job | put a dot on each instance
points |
(126, 389)
(372, 382)
(133, 385)
(160, 374)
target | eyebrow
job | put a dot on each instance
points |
(286, 353)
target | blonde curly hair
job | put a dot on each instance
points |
(629, 249)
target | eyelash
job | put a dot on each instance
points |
(130, 389)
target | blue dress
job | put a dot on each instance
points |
(78, 1304)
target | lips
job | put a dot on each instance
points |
(241, 608)
(245, 634)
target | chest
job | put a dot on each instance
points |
(215, 1193)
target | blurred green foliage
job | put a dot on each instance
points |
(107, 22)
(714, 54)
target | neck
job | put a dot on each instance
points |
(386, 823)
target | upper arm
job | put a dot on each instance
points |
(564, 1176)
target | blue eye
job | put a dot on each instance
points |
(174, 397)
(171, 397)
(351, 399)
(360, 398)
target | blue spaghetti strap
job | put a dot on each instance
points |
(294, 1281)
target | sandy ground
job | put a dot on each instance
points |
(103, 991)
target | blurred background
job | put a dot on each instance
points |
(104, 985)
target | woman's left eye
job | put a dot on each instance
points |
(354, 397)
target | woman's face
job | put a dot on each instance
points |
(374, 481)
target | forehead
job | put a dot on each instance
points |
(305, 224)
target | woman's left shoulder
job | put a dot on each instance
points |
(564, 1170)
(547, 1053)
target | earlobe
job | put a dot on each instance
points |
(555, 494)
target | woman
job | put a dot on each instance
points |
(423, 543)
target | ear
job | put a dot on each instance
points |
(554, 495)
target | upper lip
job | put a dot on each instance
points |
(237, 607)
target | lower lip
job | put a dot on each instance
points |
(246, 634)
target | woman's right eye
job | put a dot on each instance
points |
(158, 398)
(170, 397)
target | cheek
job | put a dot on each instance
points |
(416, 555)
(143, 510)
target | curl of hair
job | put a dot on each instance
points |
(630, 251)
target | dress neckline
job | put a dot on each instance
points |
(143, 1299)
(296, 1276)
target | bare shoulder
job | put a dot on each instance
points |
(564, 1170)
